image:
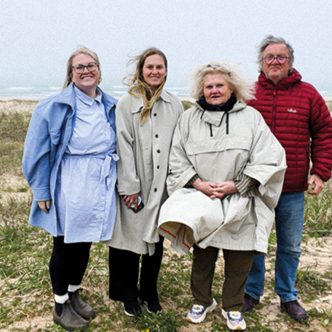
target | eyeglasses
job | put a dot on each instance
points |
(281, 59)
(79, 69)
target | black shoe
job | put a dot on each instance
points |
(249, 303)
(153, 307)
(69, 319)
(82, 308)
(294, 310)
(132, 308)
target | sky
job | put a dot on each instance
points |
(38, 36)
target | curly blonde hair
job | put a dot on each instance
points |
(242, 89)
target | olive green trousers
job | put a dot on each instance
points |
(237, 265)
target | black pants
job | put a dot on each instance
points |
(67, 264)
(126, 282)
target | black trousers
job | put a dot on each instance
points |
(67, 264)
(127, 281)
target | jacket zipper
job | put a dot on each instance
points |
(274, 111)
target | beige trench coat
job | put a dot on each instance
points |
(201, 145)
(144, 152)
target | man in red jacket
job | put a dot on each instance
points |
(298, 116)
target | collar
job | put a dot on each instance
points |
(227, 106)
(214, 118)
(68, 96)
(294, 77)
(165, 96)
(84, 98)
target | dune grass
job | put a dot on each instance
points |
(25, 295)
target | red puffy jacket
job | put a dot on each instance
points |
(299, 118)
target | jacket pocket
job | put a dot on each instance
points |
(219, 160)
(229, 142)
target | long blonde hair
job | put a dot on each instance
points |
(138, 87)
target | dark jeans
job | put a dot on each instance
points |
(127, 281)
(236, 270)
(67, 264)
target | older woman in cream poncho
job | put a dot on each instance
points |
(226, 172)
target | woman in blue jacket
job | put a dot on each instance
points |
(70, 163)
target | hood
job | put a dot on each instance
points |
(294, 78)
(216, 118)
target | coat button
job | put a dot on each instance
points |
(155, 189)
(156, 136)
(158, 166)
(158, 151)
(154, 114)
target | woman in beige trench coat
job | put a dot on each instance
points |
(146, 118)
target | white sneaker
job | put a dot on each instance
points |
(235, 320)
(198, 312)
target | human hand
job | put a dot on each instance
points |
(44, 206)
(131, 200)
(316, 185)
(205, 187)
(223, 189)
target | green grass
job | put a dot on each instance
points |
(318, 213)
(25, 294)
(187, 104)
(311, 284)
(12, 132)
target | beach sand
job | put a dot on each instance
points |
(17, 105)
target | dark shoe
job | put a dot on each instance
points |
(152, 307)
(132, 308)
(82, 308)
(69, 319)
(249, 303)
(294, 310)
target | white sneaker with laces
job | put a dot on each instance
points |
(235, 320)
(198, 312)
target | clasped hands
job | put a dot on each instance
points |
(215, 190)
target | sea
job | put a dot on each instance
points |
(40, 92)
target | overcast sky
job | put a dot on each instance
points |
(37, 36)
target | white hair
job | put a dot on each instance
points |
(242, 89)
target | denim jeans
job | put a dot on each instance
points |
(289, 225)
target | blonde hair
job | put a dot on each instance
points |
(81, 50)
(241, 88)
(138, 87)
